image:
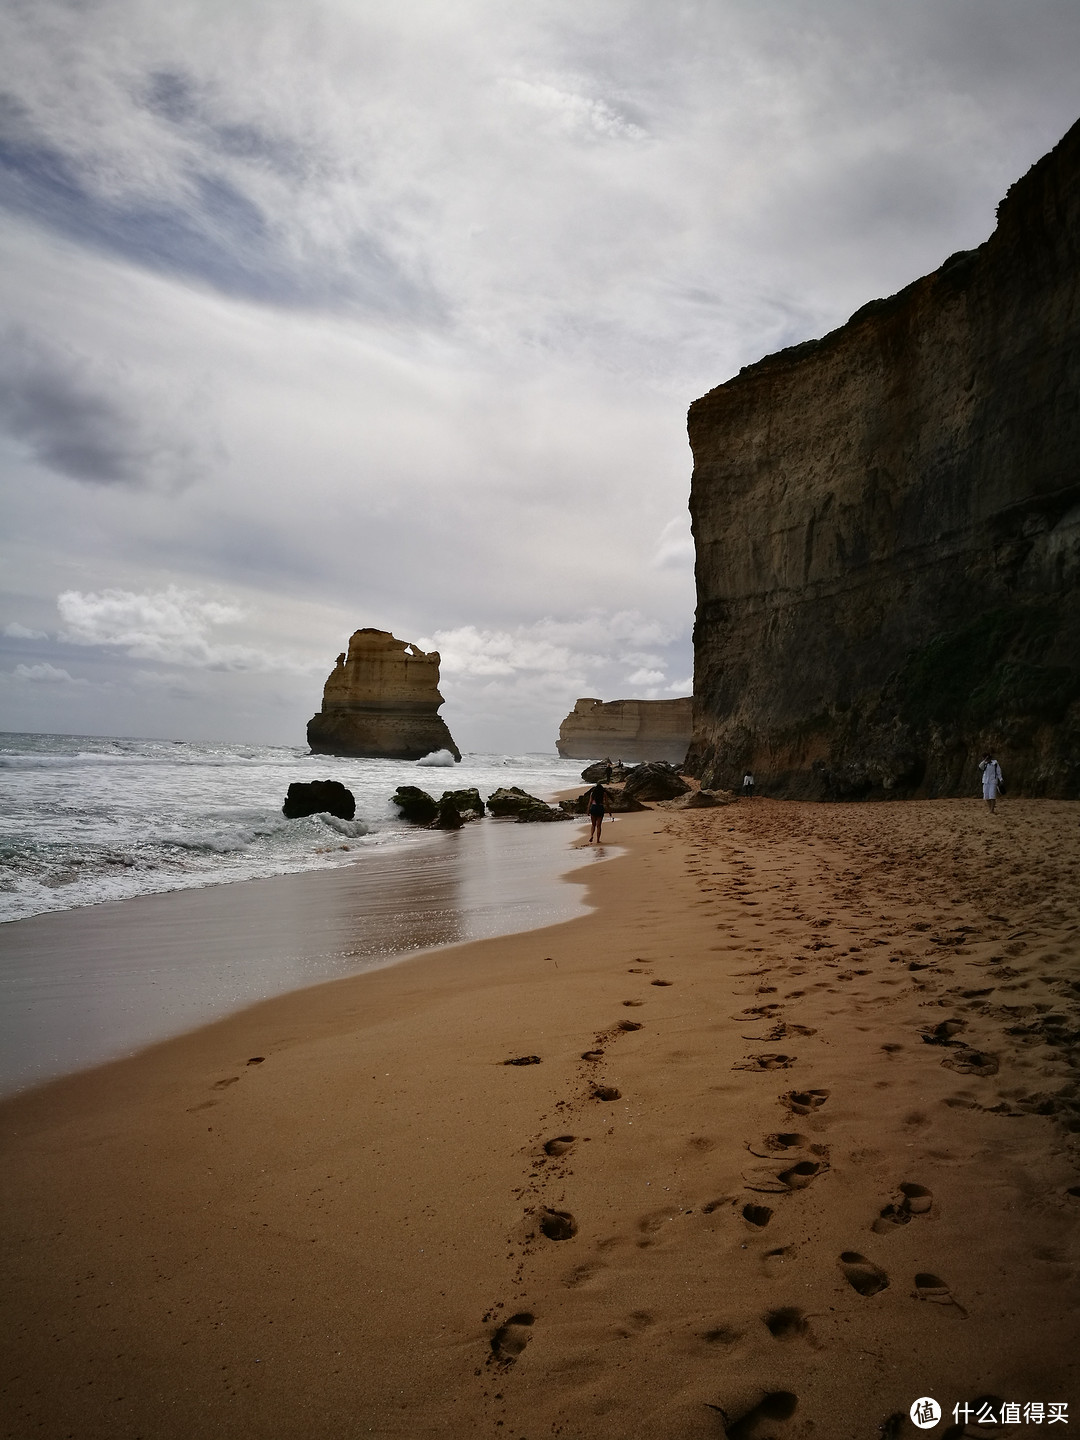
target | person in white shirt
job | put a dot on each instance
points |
(992, 780)
(748, 784)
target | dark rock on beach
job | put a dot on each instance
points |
(447, 817)
(415, 804)
(318, 797)
(467, 802)
(655, 780)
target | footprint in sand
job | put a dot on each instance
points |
(592, 1054)
(757, 1215)
(224, 1084)
(633, 1002)
(785, 1142)
(606, 1092)
(722, 1335)
(511, 1338)
(804, 1102)
(661, 982)
(913, 1200)
(767, 1061)
(862, 1274)
(751, 1425)
(933, 1288)
(795, 1177)
(559, 1145)
(971, 1062)
(631, 1025)
(523, 1060)
(582, 1274)
(256, 1059)
(558, 1225)
(787, 1323)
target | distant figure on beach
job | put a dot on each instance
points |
(607, 769)
(598, 808)
(993, 781)
(748, 784)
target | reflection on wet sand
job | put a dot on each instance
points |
(87, 985)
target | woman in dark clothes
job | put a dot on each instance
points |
(597, 810)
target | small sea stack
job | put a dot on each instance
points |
(381, 701)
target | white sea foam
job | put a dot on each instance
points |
(84, 820)
(441, 758)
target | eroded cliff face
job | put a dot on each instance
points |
(381, 700)
(627, 730)
(887, 525)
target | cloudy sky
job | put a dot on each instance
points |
(388, 312)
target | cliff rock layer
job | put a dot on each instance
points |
(627, 730)
(887, 525)
(381, 700)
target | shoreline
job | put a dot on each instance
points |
(381, 1227)
(84, 986)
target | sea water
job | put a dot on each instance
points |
(85, 819)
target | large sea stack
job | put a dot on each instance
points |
(381, 701)
(627, 730)
(887, 525)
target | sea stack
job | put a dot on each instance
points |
(381, 702)
(627, 730)
(887, 524)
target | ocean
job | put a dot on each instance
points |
(125, 930)
(86, 819)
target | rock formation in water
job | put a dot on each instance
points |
(887, 525)
(318, 797)
(381, 701)
(627, 730)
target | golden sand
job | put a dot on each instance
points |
(801, 1146)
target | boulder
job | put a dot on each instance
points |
(655, 780)
(415, 804)
(448, 816)
(318, 797)
(511, 801)
(468, 802)
(706, 799)
(522, 806)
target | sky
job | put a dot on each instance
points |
(358, 313)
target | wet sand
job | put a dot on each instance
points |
(801, 1146)
(79, 987)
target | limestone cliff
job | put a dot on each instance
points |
(887, 525)
(627, 730)
(381, 700)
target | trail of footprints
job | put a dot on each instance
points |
(793, 1161)
(921, 960)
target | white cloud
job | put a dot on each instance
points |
(45, 674)
(172, 627)
(675, 547)
(648, 679)
(14, 631)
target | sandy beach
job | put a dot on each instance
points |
(794, 1141)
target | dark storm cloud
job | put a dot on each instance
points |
(87, 424)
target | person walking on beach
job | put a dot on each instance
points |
(748, 785)
(598, 808)
(993, 781)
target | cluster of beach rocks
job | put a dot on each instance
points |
(655, 781)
